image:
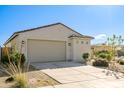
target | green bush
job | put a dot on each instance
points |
(85, 56)
(4, 59)
(14, 57)
(104, 55)
(109, 57)
(100, 62)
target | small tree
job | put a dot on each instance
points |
(113, 42)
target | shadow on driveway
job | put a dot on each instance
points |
(54, 65)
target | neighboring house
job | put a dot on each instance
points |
(55, 42)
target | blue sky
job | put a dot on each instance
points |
(97, 21)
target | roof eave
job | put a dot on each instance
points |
(12, 37)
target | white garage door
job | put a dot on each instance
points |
(44, 51)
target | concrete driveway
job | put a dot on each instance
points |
(74, 75)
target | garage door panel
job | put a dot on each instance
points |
(42, 51)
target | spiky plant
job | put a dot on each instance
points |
(16, 71)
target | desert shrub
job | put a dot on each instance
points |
(104, 55)
(10, 79)
(4, 59)
(85, 56)
(109, 57)
(14, 57)
(121, 61)
(100, 62)
(103, 51)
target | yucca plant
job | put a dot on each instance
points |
(16, 70)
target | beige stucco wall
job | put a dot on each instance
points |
(80, 48)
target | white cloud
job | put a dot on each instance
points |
(101, 36)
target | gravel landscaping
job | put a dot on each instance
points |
(36, 78)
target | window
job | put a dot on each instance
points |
(87, 42)
(69, 44)
(82, 42)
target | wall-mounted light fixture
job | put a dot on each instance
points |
(69, 44)
(23, 42)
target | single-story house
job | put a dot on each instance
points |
(54, 42)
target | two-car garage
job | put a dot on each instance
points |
(46, 50)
